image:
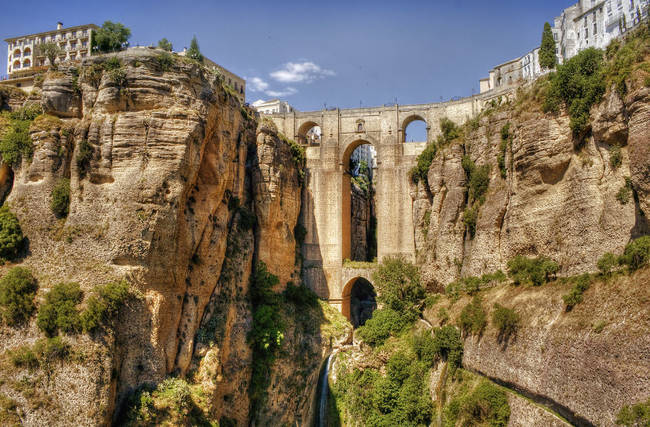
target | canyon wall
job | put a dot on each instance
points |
(181, 193)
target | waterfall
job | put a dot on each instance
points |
(324, 393)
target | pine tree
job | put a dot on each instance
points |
(193, 52)
(547, 57)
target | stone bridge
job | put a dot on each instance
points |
(326, 201)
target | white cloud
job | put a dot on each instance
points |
(257, 85)
(281, 93)
(302, 72)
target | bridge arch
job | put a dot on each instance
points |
(351, 144)
(409, 120)
(306, 134)
(359, 300)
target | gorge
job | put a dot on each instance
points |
(190, 263)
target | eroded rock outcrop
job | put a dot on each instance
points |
(558, 197)
(174, 188)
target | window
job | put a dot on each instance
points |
(585, 22)
(73, 45)
(586, 33)
(595, 28)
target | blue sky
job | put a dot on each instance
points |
(339, 53)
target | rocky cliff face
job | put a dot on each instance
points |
(180, 194)
(558, 197)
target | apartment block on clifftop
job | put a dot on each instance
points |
(24, 61)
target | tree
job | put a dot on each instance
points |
(547, 57)
(194, 52)
(165, 44)
(50, 50)
(111, 37)
(399, 287)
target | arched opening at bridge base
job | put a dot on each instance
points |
(359, 220)
(359, 301)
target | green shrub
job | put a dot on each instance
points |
(449, 132)
(637, 415)
(506, 138)
(615, 157)
(420, 171)
(300, 296)
(60, 203)
(11, 235)
(16, 143)
(398, 286)
(194, 52)
(425, 348)
(165, 61)
(574, 297)
(486, 405)
(535, 271)
(578, 83)
(112, 63)
(59, 312)
(506, 320)
(624, 195)
(470, 216)
(165, 44)
(472, 318)
(448, 345)
(84, 155)
(44, 352)
(637, 253)
(267, 333)
(104, 305)
(17, 291)
(547, 56)
(607, 263)
(383, 323)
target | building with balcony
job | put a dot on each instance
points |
(23, 59)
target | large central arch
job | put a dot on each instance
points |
(346, 188)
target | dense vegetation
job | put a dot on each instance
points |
(11, 235)
(449, 132)
(401, 293)
(59, 311)
(534, 271)
(17, 291)
(60, 203)
(15, 142)
(635, 415)
(473, 318)
(476, 404)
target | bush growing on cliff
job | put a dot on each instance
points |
(420, 171)
(534, 271)
(16, 143)
(194, 52)
(637, 415)
(615, 157)
(574, 297)
(84, 155)
(59, 312)
(11, 235)
(42, 354)
(60, 203)
(578, 83)
(165, 44)
(637, 253)
(164, 61)
(506, 138)
(104, 305)
(607, 263)
(487, 404)
(506, 320)
(472, 318)
(448, 345)
(17, 291)
(399, 287)
(470, 216)
(383, 323)
(267, 333)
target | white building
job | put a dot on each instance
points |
(273, 106)
(592, 23)
(588, 23)
(22, 51)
